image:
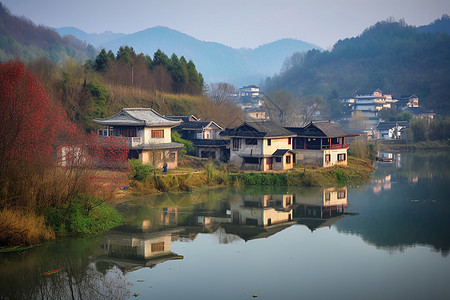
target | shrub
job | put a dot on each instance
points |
(84, 215)
(18, 228)
(139, 171)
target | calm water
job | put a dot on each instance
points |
(388, 239)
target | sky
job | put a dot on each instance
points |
(235, 23)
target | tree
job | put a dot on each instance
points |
(221, 93)
(280, 106)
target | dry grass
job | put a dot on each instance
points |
(18, 228)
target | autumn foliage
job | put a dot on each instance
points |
(45, 160)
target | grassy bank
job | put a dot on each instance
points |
(85, 215)
(215, 175)
(403, 146)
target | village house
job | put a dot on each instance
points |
(391, 130)
(260, 146)
(205, 136)
(148, 135)
(320, 143)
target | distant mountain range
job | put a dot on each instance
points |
(217, 62)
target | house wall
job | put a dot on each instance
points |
(144, 247)
(275, 145)
(157, 158)
(148, 135)
(317, 157)
(215, 150)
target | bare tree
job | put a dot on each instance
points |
(221, 92)
(279, 106)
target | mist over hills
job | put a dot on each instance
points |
(217, 62)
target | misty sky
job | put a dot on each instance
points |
(235, 23)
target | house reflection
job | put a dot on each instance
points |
(323, 209)
(262, 210)
(131, 251)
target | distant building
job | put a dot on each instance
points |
(391, 130)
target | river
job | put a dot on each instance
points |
(387, 239)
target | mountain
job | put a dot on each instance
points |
(217, 62)
(90, 38)
(439, 25)
(391, 56)
(21, 39)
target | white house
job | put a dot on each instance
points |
(148, 135)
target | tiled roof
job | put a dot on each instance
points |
(137, 117)
(320, 129)
(192, 125)
(183, 118)
(281, 152)
(391, 124)
(263, 129)
(418, 110)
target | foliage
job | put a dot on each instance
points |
(368, 62)
(362, 150)
(85, 215)
(430, 130)
(188, 145)
(139, 171)
(19, 228)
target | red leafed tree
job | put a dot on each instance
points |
(29, 119)
(44, 159)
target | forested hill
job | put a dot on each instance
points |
(391, 56)
(23, 40)
(217, 62)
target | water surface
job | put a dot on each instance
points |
(388, 239)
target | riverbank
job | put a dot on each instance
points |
(87, 215)
(220, 175)
(397, 145)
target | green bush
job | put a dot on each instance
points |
(84, 215)
(139, 171)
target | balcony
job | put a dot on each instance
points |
(134, 141)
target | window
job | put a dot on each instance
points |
(251, 160)
(289, 141)
(251, 141)
(341, 157)
(172, 156)
(269, 142)
(278, 159)
(341, 194)
(236, 144)
(288, 159)
(159, 133)
(327, 196)
(158, 247)
(327, 158)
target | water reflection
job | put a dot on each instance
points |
(322, 210)
(406, 205)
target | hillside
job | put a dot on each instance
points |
(217, 62)
(392, 56)
(21, 39)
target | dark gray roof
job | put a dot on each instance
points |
(320, 129)
(197, 125)
(210, 143)
(418, 110)
(160, 146)
(183, 118)
(391, 124)
(137, 117)
(281, 152)
(261, 129)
